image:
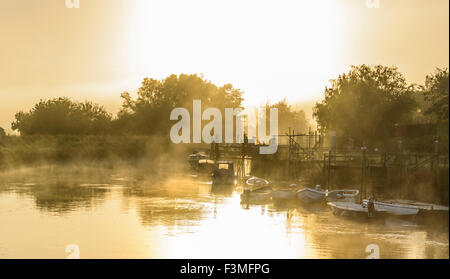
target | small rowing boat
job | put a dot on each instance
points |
(284, 194)
(429, 214)
(351, 209)
(422, 205)
(309, 195)
(394, 208)
(256, 182)
(349, 195)
(263, 194)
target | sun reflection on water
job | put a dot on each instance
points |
(179, 218)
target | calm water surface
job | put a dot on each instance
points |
(112, 213)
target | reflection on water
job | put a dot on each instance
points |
(112, 213)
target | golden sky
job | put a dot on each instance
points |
(269, 49)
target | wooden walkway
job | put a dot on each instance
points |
(300, 150)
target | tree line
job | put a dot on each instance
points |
(146, 114)
(363, 105)
(370, 105)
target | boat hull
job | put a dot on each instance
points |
(395, 208)
(283, 195)
(309, 195)
(342, 195)
(355, 211)
(256, 182)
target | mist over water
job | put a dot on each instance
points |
(116, 116)
(128, 212)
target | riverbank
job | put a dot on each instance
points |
(30, 150)
(155, 155)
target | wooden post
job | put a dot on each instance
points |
(401, 166)
(436, 166)
(289, 153)
(363, 173)
(329, 170)
(309, 138)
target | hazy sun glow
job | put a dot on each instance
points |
(269, 49)
(247, 43)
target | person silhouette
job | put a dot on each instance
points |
(371, 206)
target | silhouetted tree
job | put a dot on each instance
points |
(63, 116)
(365, 103)
(149, 112)
(290, 118)
(436, 93)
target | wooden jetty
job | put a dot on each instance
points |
(299, 152)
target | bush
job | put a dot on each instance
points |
(61, 116)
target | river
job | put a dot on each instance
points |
(117, 213)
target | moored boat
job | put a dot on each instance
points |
(354, 210)
(423, 206)
(309, 195)
(256, 182)
(263, 194)
(283, 194)
(194, 158)
(394, 208)
(429, 214)
(342, 195)
(223, 173)
(205, 167)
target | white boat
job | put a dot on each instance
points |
(394, 208)
(339, 208)
(422, 205)
(309, 195)
(429, 214)
(257, 182)
(342, 195)
(352, 209)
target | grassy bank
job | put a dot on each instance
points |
(35, 150)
